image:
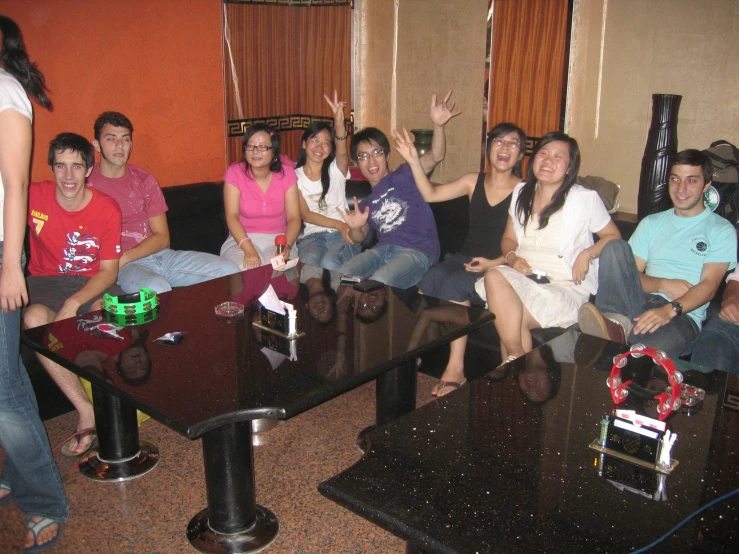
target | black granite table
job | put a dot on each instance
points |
(225, 374)
(504, 464)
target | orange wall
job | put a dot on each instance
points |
(157, 61)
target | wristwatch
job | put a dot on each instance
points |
(677, 307)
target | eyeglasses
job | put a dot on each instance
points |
(317, 142)
(376, 153)
(257, 147)
(512, 144)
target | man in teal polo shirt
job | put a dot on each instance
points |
(655, 289)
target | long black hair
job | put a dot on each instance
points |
(14, 60)
(525, 202)
(276, 163)
(502, 129)
(315, 128)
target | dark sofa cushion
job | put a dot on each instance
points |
(195, 217)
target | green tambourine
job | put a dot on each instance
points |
(122, 320)
(137, 303)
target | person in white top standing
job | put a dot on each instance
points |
(30, 476)
(322, 170)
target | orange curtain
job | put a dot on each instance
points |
(529, 64)
(284, 59)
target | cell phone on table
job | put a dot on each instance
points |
(368, 285)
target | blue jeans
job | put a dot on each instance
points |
(30, 470)
(449, 280)
(393, 265)
(173, 268)
(717, 346)
(314, 247)
(620, 292)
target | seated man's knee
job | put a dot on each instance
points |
(226, 267)
(37, 314)
(155, 282)
(615, 250)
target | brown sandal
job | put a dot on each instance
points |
(444, 384)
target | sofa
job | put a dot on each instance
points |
(196, 222)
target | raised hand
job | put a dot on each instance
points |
(337, 108)
(442, 112)
(404, 145)
(354, 218)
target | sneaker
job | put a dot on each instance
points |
(592, 322)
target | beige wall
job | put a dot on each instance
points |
(440, 45)
(685, 47)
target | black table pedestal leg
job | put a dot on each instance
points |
(395, 396)
(120, 455)
(233, 521)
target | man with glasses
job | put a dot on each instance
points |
(407, 241)
(147, 260)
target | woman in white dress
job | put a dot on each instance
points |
(550, 229)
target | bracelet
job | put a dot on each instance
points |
(506, 256)
(592, 256)
(346, 134)
(242, 241)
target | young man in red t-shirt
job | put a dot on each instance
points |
(75, 246)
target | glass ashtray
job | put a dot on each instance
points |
(229, 310)
(692, 395)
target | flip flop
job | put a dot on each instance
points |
(507, 360)
(444, 384)
(36, 527)
(8, 497)
(78, 436)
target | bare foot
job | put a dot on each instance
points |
(84, 435)
(87, 421)
(80, 444)
(45, 534)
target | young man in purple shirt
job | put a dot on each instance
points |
(147, 260)
(407, 241)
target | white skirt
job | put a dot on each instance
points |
(552, 305)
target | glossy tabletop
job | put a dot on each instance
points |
(504, 464)
(224, 372)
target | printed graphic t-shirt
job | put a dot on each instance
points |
(138, 195)
(335, 197)
(71, 243)
(400, 215)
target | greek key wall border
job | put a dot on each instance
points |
(293, 122)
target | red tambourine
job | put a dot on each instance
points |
(669, 400)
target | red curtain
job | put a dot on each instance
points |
(284, 59)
